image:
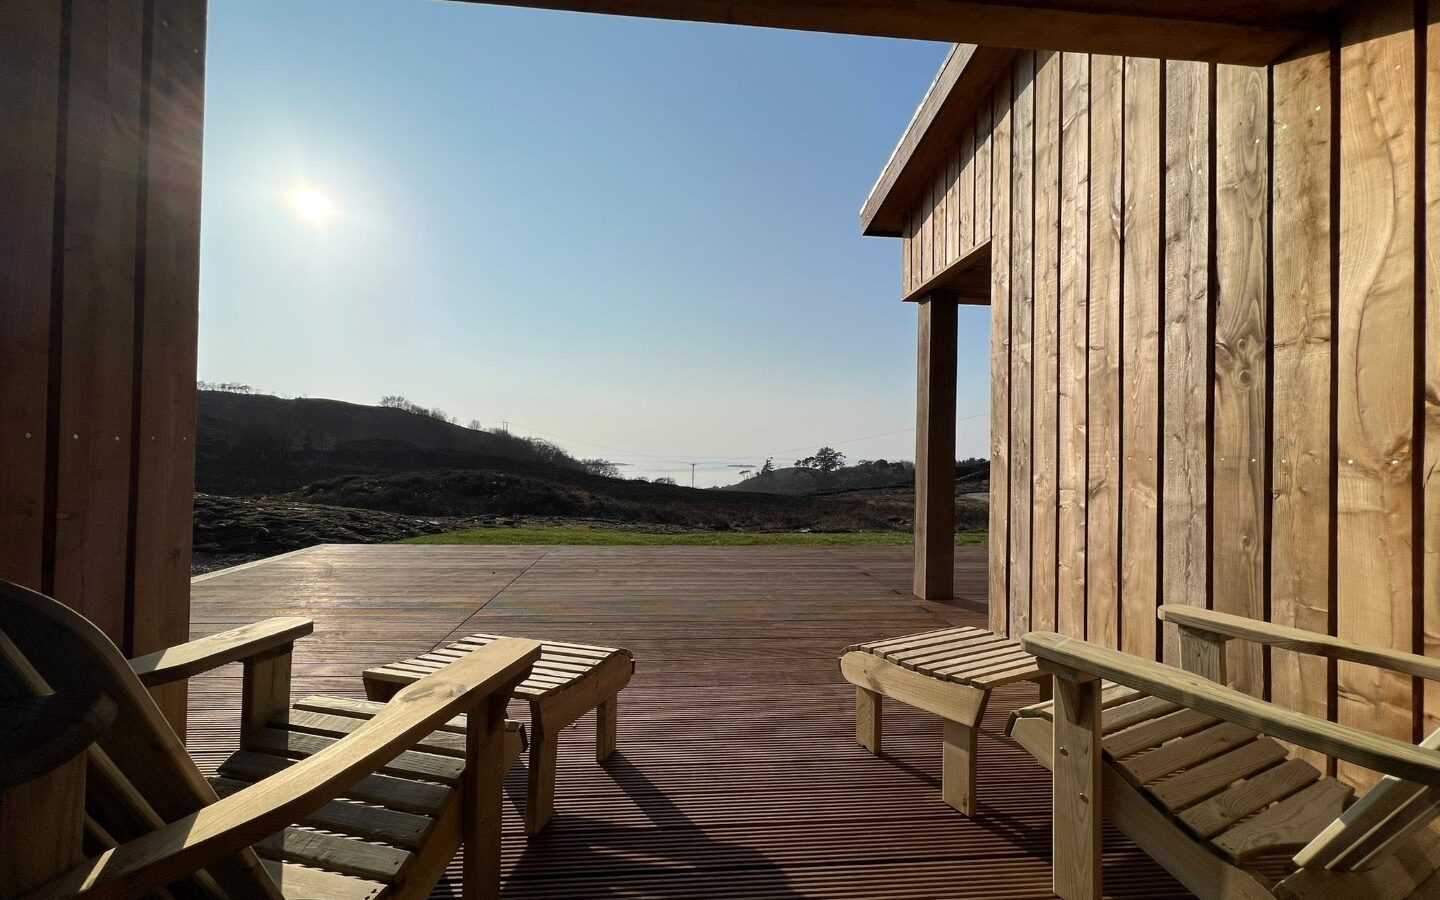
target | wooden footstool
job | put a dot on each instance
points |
(949, 673)
(568, 681)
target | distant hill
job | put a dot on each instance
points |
(576, 494)
(970, 475)
(299, 465)
(250, 444)
(796, 481)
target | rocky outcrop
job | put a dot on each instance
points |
(245, 525)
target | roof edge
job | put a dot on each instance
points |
(952, 98)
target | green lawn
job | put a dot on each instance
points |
(612, 537)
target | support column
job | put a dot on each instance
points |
(935, 449)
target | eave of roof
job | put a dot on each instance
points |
(935, 128)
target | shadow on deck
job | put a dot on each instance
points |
(738, 774)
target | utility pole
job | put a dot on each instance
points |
(692, 475)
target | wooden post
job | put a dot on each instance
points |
(1077, 788)
(100, 156)
(264, 689)
(935, 449)
(1203, 654)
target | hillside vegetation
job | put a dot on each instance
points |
(798, 480)
(971, 475)
(581, 495)
(250, 444)
(277, 474)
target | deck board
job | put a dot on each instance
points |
(737, 773)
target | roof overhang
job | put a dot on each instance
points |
(1245, 32)
(953, 99)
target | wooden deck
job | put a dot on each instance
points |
(738, 774)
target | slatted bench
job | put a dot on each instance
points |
(568, 681)
(949, 673)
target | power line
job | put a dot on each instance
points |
(719, 460)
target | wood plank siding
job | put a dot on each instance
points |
(1216, 314)
(100, 175)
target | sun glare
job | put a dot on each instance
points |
(311, 205)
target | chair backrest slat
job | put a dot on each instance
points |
(140, 775)
(1393, 810)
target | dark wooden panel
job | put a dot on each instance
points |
(30, 38)
(1000, 363)
(1140, 365)
(1073, 342)
(1376, 372)
(935, 449)
(1102, 561)
(1236, 32)
(1238, 457)
(1185, 518)
(1045, 353)
(169, 311)
(102, 172)
(1302, 415)
(1022, 311)
(1431, 466)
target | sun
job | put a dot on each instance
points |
(311, 204)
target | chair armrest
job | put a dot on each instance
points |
(1224, 626)
(1068, 656)
(138, 867)
(210, 652)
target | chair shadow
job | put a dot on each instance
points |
(908, 768)
(988, 817)
(583, 855)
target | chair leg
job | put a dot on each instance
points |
(867, 719)
(1077, 800)
(484, 781)
(605, 723)
(957, 767)
(540, 795)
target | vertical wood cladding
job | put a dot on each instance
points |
(1214, 290)
(99, 248)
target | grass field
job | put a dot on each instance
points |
(613, 537)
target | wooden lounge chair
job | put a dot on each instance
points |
(1195, 774)
(99, 799)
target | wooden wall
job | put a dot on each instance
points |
(99, 280)
(1216, 310)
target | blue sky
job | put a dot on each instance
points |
(636, 238)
